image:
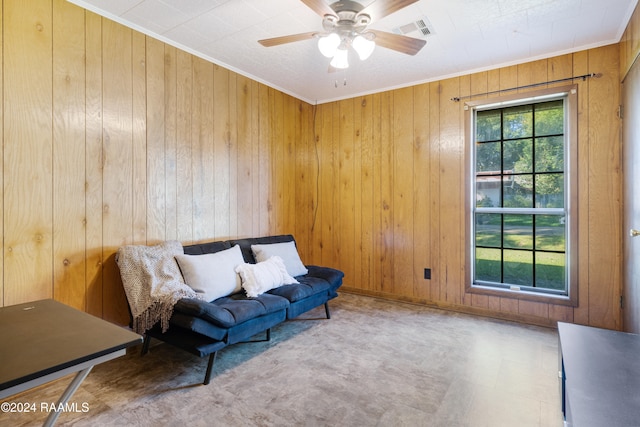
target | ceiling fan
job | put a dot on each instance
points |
(345, 25)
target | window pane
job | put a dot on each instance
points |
(518, 231)
(550, 118)
(488, 230)
(518, 122)
(488, 125)
(518, 156)
(488, 265)
(550, 154)
(519, 163)
(550, 233)
(518, 191)
(549, 190)
(488, 158)
(550, 270)
(518, 267)
(488, 191)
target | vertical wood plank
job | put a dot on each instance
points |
(304, 178)
(118, 184)
(255, 158)
(171, 142)
(156, 150)
(435, 285)
(184, 129)
(357, 190)
(221, 152)
(366, 193)
(233, 154)
(287, 175)
(605, 223)
(276, 174)
(94, 159)
(316, 161)
(245, 168)
(630, 44)
(581, 67)
(386, 191)
(325, 199)
(421, 191)
(559, 67)
(403, 184)
(463, 241)
(451, 211)
(27, 147)
(69, 154)
(139, 137)
(264, 161)
(345, 237)
(203, 161)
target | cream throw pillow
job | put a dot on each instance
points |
(286, 251)
(212, 275)
(259, 278)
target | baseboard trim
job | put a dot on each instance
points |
(458, 308)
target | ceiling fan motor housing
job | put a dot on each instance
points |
(348, 20)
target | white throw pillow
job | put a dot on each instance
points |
(265, 275)
(286, 251)
(212, 275)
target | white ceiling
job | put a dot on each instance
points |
(468, 36)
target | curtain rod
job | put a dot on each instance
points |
(583, 77)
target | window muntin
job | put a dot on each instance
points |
(520, 198)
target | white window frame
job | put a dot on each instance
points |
(569, 94)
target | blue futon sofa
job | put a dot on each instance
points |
(204, 327)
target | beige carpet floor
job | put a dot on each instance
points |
(374, 363)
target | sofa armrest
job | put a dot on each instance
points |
(331, 275)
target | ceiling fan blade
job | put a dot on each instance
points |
(287, 39)
(381, 8)
(397, 42)
(319, 6)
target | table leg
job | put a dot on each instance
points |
(71, 388)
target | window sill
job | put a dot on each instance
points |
(522, 295)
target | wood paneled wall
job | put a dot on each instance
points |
(630, 43)
(390, 195)
(110, 138)
(629, 72)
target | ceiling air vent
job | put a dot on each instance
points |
(421, 27)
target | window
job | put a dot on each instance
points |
(521, 196)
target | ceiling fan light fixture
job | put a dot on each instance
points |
(328, 45)
(341, 59)
(363, 46)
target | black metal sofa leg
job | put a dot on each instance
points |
(207, 376)
(145, 344)
(326, 310)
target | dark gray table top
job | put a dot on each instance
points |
(602, 369)
(42, 337)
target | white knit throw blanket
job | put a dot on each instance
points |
(152, 282)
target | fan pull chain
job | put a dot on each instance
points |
(344, 83)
